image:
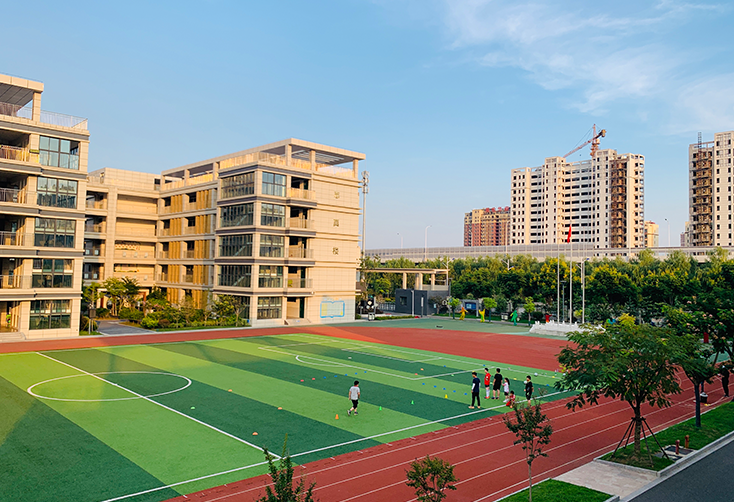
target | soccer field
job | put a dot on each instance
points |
(151, 422)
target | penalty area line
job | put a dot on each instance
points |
(232, 436)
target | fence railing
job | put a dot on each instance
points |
(296, 252)
(300, 193)
(20, 154)
(301, 223)
(51, 118)
(15, 196)
(298, 283)
(14, 282)
(15, 239)
(138, 185)
(95, 228)
(96, 204)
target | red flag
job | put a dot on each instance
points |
(568, 239)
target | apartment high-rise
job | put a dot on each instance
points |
(710, 191)
(652, 237)
(600, 199)
(487, 227)
(43, 164)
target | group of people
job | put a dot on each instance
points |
(498, 384)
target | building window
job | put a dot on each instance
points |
(53, 192)
(238, 276)
(52, 273)
(50, 314)
(237, 215)
(270, 276)
(273, 184)
(272, 215)
(271, 246)
(269, 307)
(50, 232)
(235, 186)
(235, 245)
(57, 152)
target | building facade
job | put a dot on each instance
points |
(600, 200)
(652, 234)
(487, 227)
(43, 164)
(710, 191)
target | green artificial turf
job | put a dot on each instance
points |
(714, 424)
(558, 491)
(93, 437)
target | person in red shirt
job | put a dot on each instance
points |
(487, 382)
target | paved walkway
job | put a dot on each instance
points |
(608, 478)
(114, 328)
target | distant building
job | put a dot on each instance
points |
(652, 237)
(685, 236)
(601, 201)
(710, 191)
(487, 227)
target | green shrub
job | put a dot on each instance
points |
(102, 313)
(149, 322)
(84, 324)
(131, 314)
(164, 323)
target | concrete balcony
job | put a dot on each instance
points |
(303, 253)
(20, 154)
(15, 282)
(25, 114)
(300, 223)
(16, 239)
(299, 193)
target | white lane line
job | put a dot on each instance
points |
(158, 404)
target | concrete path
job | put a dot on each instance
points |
(113, 328)
(609, 478)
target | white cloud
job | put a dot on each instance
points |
(705, 105)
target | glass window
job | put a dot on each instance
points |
(48, 273)
(53, 192)
(272, 215)
(59, 153)
(241, 184)
(270, 276)
(237, 215)
(235, 275)
(269, 307)
(273, 184)
(50, 314)
(50, 232)
(271, 246)
(235, 245)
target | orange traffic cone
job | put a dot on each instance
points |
(337, 416)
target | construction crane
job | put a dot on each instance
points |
(594, 143)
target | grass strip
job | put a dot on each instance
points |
(714, 424)
(558, 491)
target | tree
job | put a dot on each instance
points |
(282, 476)
(430, 478)
(533, 431)
(115, 291)
(490, 303)
(453, 303)
(131, 290)
(621, 361)
(529, 307)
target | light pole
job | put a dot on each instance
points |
(425, 245)
(401, 240)
(365, 191)
(668, 222)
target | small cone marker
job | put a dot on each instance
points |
(380, 408)
(230, 390)
(411, 402)
(280, 408)
(254, 433)
(445, 396)
(337, 417)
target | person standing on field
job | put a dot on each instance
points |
(354, 396)
(487, 382)
(497, 385)
(528, 388)
(724, 371)
(475, 390)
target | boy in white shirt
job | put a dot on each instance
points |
(354, 396)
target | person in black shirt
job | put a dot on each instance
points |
(497, 385)
(724, 371)
(528, 388)
(475, 390)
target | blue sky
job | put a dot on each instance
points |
(443, 96)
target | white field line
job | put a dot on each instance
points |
(312, 451)
(393, 358)
(159, 404)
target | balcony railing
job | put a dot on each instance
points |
(300, 193)
(51, 118)
(93, 252)
(194, 180)
(189, 278)
(162, 255)
(298, 283)
(96, 204)
(162, 277)
(280, 160)
(125, 253)
(15, 239)
(189, 253)
(95, 228)
(16, 153)
(14, 282)
(296, 252)
(15, 196)
(136, 231)
(300, 223)
(138, 185)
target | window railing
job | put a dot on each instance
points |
(300, 193)
(299, 283)
(16, 153)
(301, 223)
(298, 252)
(51, 118)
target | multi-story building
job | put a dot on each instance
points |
(652, 237)
(710, 191)
(601, 200)
(487, 227)
(43, 164)
(685, 236)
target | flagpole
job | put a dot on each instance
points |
(570, 279)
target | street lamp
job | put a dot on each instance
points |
(668, 221)
(425, 245)
(401, 240)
